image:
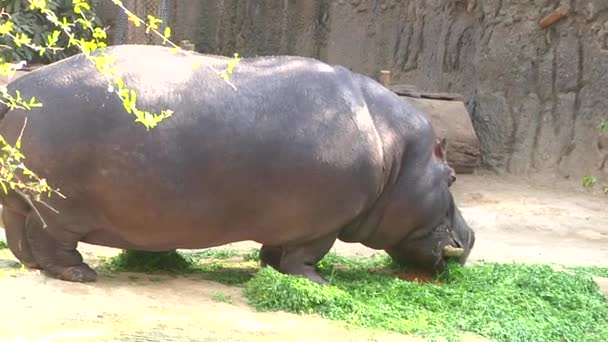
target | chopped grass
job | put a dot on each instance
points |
(209, 264)
(221, 297)
(592, 270)
(502, 302)
(3, 244)
(218, 254)
(147, 262)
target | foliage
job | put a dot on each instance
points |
(589, 181)
(148, 262)
(592, 270)
(221, 297)
(32, 25)
(210, 264)
(503, 302)
(212, 253)
(13, 271)
(3, 244)
(603, 127)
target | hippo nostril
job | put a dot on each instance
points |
(457, 243)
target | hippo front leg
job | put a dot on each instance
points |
(301, 259)
(57, 257)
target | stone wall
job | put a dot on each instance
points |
(535, 95)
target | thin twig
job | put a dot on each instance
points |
(29, 201)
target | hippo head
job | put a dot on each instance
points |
(429, 250)
(444, 235)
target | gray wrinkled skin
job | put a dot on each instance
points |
(301, 154)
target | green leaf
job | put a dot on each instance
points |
(589, 181)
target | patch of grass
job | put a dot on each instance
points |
(229, 274)
(209, 264)
(147, 262)
(217, 254)
(3, 244)
(592, 270)
(252, 255)
(221, 297)
(503, 302)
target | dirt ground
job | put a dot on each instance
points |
(541, 220)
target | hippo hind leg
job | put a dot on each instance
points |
(301, 259)
(271, 256)
(14, 224)
(57, 257)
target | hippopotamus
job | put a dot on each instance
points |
(290, 152)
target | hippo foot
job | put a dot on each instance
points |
(312, 275)
(79, 274)
(301, 259)
(56, 253)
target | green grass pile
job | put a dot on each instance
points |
(209, 264)
(592, 270)
(502, 302)
(147, 262)
(3, 244)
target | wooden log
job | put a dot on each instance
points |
(411, 91)
(187, 45)
(385, 78)
(553, 17)
(451, 120)
(403, 88)
(443, 96)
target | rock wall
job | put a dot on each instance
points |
(535, 95)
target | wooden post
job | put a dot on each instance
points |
(385, 77)
(186, 45)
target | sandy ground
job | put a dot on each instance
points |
(549, 222)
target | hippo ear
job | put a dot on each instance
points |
(440, 148)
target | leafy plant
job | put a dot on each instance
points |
(589, 181)
(218, 254)
(3, 244)
(221, 297)
(592, 270)
(148, 262)
(34, 29)
(603, 127)
(210, 264)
